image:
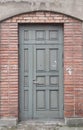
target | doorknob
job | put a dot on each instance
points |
(35, 82)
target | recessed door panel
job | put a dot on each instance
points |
(40, 54)
(53, 57)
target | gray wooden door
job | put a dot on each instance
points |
(41, 72)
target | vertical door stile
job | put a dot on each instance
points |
(21, 96)
(47, 70)
(30, 80)
(61, 92)
(47, 78)
(22, 81)
(34, 81)
(60, 82)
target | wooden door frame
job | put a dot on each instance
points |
(62, 59)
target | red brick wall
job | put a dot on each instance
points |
(73, 58)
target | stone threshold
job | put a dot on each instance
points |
(75, 122)
(57, 122)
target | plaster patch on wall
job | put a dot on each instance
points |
(43, 4)
(69, 70)
(4, 1)
(9, 8)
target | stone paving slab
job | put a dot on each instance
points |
(42, 128)
(47, 125)
(71, 128)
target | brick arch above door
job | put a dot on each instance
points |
(41, 17)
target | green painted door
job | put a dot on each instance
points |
(41, 72)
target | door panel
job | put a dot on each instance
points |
(53, 104)
(41, 74)
(40, 55)
(47, 81)
(53, 57)
(40, 100)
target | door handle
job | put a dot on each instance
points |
(35, 82)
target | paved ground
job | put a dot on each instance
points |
(47, 125)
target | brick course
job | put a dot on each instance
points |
(73, 58)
